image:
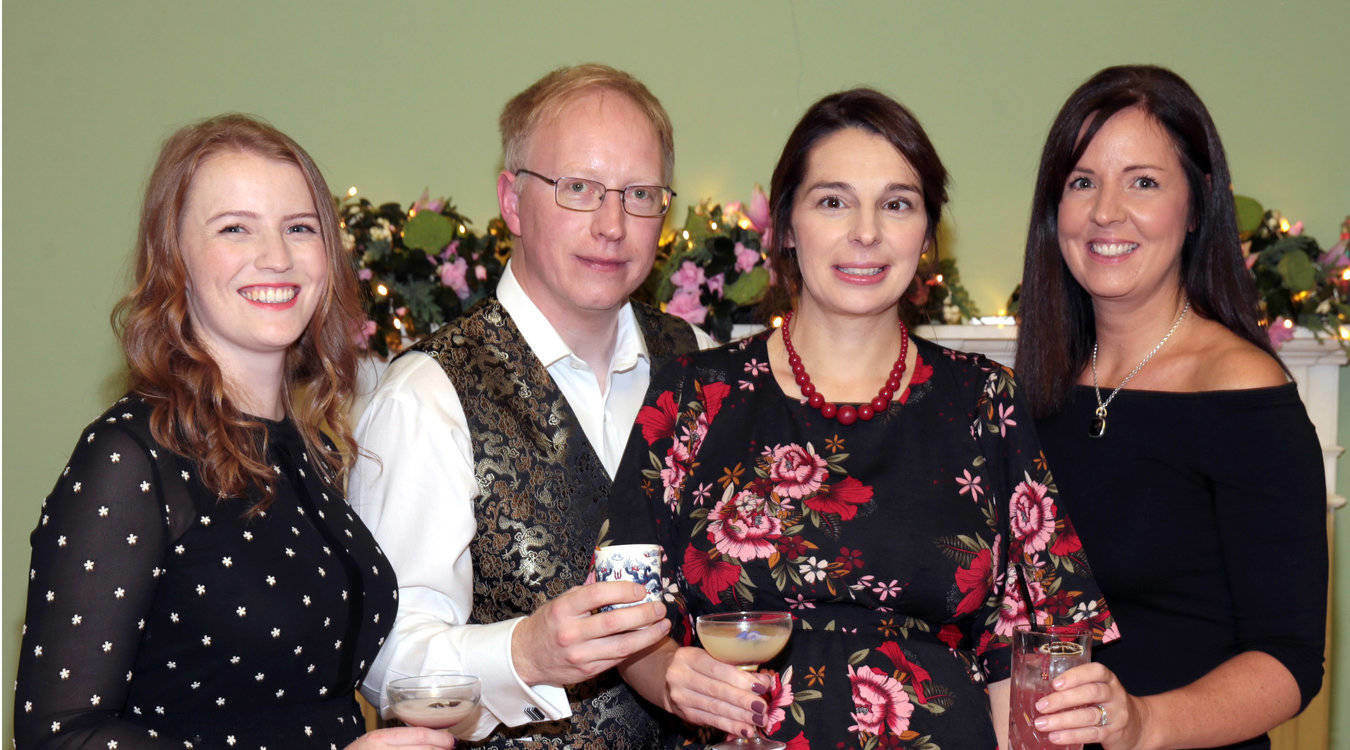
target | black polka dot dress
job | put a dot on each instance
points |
(162, 616)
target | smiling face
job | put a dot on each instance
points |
(256, 264)
(858, 225)
(1125, 212)
(576, 265)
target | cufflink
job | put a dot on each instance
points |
(534, 713)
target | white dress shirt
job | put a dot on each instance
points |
(418, 500)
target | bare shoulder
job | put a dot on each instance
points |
(1231, 363)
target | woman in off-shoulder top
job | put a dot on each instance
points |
(1179, 447)
(198, 580)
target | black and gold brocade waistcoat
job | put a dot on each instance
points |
(539, 505)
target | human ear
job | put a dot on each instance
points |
(508, 201)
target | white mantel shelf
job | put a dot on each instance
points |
(1315, 365)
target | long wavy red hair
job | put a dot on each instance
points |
(192, 413)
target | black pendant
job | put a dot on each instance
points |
(1098, 427)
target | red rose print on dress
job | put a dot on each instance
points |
(880, 702)
(1032, 515)
(742, 527)
(918, 674)
(712, 576)
(974, 581)
(842, 498)
(658, 421)
(796, 471)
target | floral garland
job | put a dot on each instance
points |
(419, 267)
(425, 265)
(1297, 282)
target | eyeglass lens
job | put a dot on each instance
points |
(588, 195)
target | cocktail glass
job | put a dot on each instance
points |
(1038, 657)
(435, 701)
(745, 640)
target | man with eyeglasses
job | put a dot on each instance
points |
(495, 440)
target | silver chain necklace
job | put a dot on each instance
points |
(1099, 422)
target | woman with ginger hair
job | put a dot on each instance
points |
(197, 578)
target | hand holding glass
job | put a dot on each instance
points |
(745, 640)
(1038, 657)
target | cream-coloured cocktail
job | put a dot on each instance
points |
(745, 640)
(435, 701)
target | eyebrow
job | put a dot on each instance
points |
(845, 186)
(255, 215)
(1131, 168)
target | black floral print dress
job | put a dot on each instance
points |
(161, 616)
(896, 542)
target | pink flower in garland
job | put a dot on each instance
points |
(450, 252)
(758, 211)
(689, 277)
(746, 258)
(685, 304)
(880, 702)
(455, 276)
(365, 274)
(717, 284)
(480, 272)
(425, 203)
(1279, 332)
(368, 329)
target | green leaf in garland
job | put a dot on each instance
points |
(750, 287)
(428, 232)
(1297, 271)
(1249, 213)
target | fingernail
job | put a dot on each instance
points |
(758, 719)
(1058, 684)
(1042, 704)
(757, 707)
(746, 733)
(760, 688)
(1040, 723)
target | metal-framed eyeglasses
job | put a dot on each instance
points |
(579, 194)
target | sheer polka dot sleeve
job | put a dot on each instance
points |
(97, 553)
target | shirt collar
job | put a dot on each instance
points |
(545, 342)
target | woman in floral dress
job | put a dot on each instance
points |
(888, 492)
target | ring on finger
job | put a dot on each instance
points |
(1103, 719)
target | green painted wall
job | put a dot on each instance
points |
(395, 97)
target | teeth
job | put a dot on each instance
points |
(860, 271)
(1112, 249)
(270, 294)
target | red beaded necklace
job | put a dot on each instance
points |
(845, 414)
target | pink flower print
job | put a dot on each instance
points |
(1032, 515)
(800, 602)
(741, 527)
(758, 212)
(701, 495)
(453, 276)
(1005, 419)
(885, 590)
(677, 468)
(717, 284)
(796, 471)
(970, 484)
(779, 698)
(689, 277)
(365, 274)
(746, 258)
(450, 252)
(755, 367)
(880, 702)
(746, 385)
(1279, 332)
(685, 304)
(1012, 612)
(480, 272)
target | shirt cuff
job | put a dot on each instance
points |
(505, 696)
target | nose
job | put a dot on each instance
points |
(274, 253)
(865, 232)
(1107, 207)
(607, 221)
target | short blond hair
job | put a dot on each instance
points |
(546, 97)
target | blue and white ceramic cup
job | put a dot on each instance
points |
(639, 563)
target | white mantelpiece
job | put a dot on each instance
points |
(1315, 365)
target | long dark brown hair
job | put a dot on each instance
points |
(1058, 328)
(873, 112)
(191, 412)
